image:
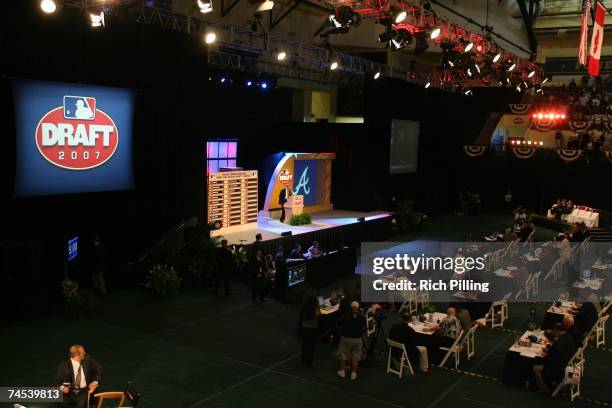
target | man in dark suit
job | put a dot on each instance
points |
(225, 266)
(283, 196)
(78, 377)
(403, 333)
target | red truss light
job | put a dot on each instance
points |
(548, 115)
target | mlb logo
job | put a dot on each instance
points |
(79, 107)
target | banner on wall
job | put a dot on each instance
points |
(569, 155)
(474, 151)
(543, 125)
(72, 138)
(524, 152)
(306, 174)
(519, 108)
(580, 127)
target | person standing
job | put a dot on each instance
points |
(78, 377)
(309, 328)
(225, 266)
(258, 277)
(283, 196)
(351, 345)
(99, 265)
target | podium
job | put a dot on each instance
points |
(294, 206)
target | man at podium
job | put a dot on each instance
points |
(283, 196)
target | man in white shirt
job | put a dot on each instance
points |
(78, 377)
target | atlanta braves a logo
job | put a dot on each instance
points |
(303, 183)
(77, 135)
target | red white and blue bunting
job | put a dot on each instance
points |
(608, 154)
(475, 151)
(519, 108)
(580, 127)
(524, 152)
(543, 125)
(568, 155)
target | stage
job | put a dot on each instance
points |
(332, 229)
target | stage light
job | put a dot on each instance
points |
(518, 88)
(48, 6)
(512, 142)
(427, 85)
(281, 55)
(511, 67)
(264, 85)
(541, 143)
(210, 37)
(435, 33)
(97, 20)
(532, 73)
(563, 116)
(467, 92)
(479, 48)
(529, 142)
(333, 66)
(222, 80)
(399, 16)
(205, 6)
(469, 72)
(249, 83)
(469, 47)
(451, 64)
(265, 5)
(545, 80)
(377, 75)
(540, 116)
(477, 68)
(496, 58)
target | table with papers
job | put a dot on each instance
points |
(522, 356)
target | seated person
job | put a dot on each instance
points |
(570, 328)
(525, 231)
(464, 318)
(296, 252)
(314, 251)
(447, 332)
(557, 357)
(563, 245)
(587, 314)
(403, 333)
(520, 215)
(509, 235)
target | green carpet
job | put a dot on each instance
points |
(194, 351)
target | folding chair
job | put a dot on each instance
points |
(605, 308)
(469, 342)
(102, 396)
(403, 361)
(370, 321)
(535, 284)
(600, 331)
(453, 350)
(555, 270)
(410, 302)
(424, 299)
(499, 309)
(574, 371)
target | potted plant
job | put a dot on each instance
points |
(163, 280)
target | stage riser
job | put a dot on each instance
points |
(333, 238)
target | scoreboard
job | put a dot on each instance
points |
(232, 197)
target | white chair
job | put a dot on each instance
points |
(371, 321)
(424, 299)
(574, 371)
(526, 289)
(469, 342)
(535, 284)
(600, 331)
(498, 312)
(410, 303)
(605, 308)
(556, 269)
(452, 350)
(403, 361)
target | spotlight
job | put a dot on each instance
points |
(545, 80)
(512, 67)
(435, 33)
(97, 20)
(532, 73)
(205, 6)
(479, 48)
(222, 80)
(377, 75)
(264, 85)
(468, 47)
(563, 116)
(541, 143)
(48, 6)
(427, 85)
(477, 68)
(469, 72)
(333, 66)
(496, 58)
(210, 37)
(399, 16)
(518, 88)
(249, 83)
(265, 5)
(281, 55)
(529, 142)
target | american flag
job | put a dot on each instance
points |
(584, 33)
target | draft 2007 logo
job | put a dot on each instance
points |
(77, 135)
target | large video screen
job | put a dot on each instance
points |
(404, 146)
(72, 138)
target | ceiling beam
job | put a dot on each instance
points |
(528, 20)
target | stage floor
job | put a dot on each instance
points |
(272, 228)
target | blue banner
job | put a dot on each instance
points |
(305, 180)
